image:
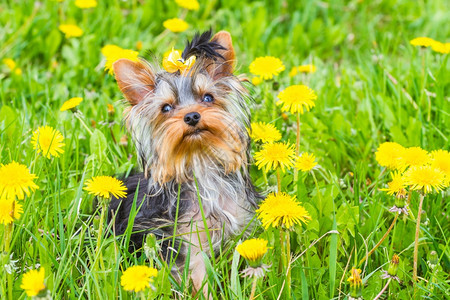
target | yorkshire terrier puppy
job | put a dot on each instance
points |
(189, 124)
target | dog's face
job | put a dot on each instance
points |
(187, 122)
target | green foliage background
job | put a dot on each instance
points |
(372, 87)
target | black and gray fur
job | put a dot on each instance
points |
(228, 199)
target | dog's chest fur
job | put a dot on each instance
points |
(227, 202)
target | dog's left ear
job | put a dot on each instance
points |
(223, 67)
(135, 79)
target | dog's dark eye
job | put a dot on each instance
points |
(208, 98)
(166, 108)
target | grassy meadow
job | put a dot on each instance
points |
(372, 87)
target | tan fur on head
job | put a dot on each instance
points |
(216, 138)
(166, 144)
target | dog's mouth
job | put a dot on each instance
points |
(195, 133)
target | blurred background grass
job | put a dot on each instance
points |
(372, 86)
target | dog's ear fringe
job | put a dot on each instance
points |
(202, 46)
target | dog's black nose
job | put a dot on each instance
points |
(192, 118)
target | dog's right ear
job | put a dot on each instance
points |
(135, 79)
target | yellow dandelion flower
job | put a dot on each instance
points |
(443, 48)
(109, 50)
(297, 97)
(71, 103)
(11, 64)
(48, 141)
(10, 210)
(176, 25)
(389, 154)
(425, 178)
(70, 30)
(188, 4)
(266, 67)
(113, 53)
(173, 62)
(106, 186)
(110, 109)
(253, 251)
(422, 41)
(137, 278)
(256, 80)
(355, 279)
(306, 162)
(33, 282)
(16, 181)
(397, 185)
(264, 132)
(414, 156)
(440, 159)
(281, 210)
(307, 68)
(275, 155)
(86, 3)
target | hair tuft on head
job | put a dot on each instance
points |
(202, 46)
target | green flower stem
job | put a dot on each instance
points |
(297, 141)
(8, 235)
(381, 241)
(278, 181)
(9, 278)
(408, 207)
(78, 116)
(288, 265)
(10, 283)
(104, 207)
(283, 248)
(316, 184)
(297, 147)
(252, 295)
(416, 241)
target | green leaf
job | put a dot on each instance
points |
(8, 119)
(305, 295)
(333, 258)
(53, 41)
(235, 282)
(98, 144)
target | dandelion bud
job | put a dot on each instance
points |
(150, 246)
(355, 283)
(111, 111)
(393, 265)
(275, 85)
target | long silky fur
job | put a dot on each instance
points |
(228, 198)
